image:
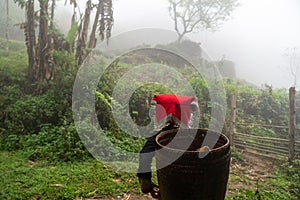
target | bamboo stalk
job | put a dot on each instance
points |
(266, 151)
(266, 148)
(262, 148)
(261, 137)
(264, 155)
(271, 147)
(262, 125)
(264, 142)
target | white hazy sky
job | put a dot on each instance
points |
(255, 38)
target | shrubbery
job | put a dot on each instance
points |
(52, 143)
(40, 120)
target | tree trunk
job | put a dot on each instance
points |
(92, 42)
(73, 20)
(52, 13)
(45, 70)
(83, 39)
(30, 39)
(180, 36)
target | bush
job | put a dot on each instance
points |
(52, 143)
(56, 143)
(27, 114)
(8, 94)
(292, 174)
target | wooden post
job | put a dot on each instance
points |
(292, 123)
(232, 118)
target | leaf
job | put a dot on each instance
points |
(72, 33)
(56, 185)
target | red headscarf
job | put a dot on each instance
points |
(178, 106)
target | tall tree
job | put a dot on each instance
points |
(30, 39)
(39, 47)
(106, 19)
(189, 15)
(29, 32)
(103, 21)
(83, 34)
(53, 5)
(45, 69)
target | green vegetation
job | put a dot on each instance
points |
(24, 179)
(281, 184)
(42, 156)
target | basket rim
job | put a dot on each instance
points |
(226, 145)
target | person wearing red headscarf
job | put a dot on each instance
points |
(168, 111)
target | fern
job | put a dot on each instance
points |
(72, 33)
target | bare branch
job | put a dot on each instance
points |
(198, 14)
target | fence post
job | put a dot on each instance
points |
(232, 118)
(292, 123)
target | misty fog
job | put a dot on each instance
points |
(255, 38)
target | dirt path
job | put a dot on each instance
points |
(253, 170)
(243, 175)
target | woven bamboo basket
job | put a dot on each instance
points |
(193, 175)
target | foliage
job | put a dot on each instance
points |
(41, 126)
(24, 113)
(104, 113)
(139, 104)
(12, 64)
(282, 184)
(265, 106)
(202, 94)
(44, 38)
(8, 95)
(52, 143)
(126, 142)
(236, 156)
(70, 38)
(140, 99)
(27, 114)
(292, 175)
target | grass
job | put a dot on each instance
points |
(13, 45)
(283, 184)
(23, 179)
